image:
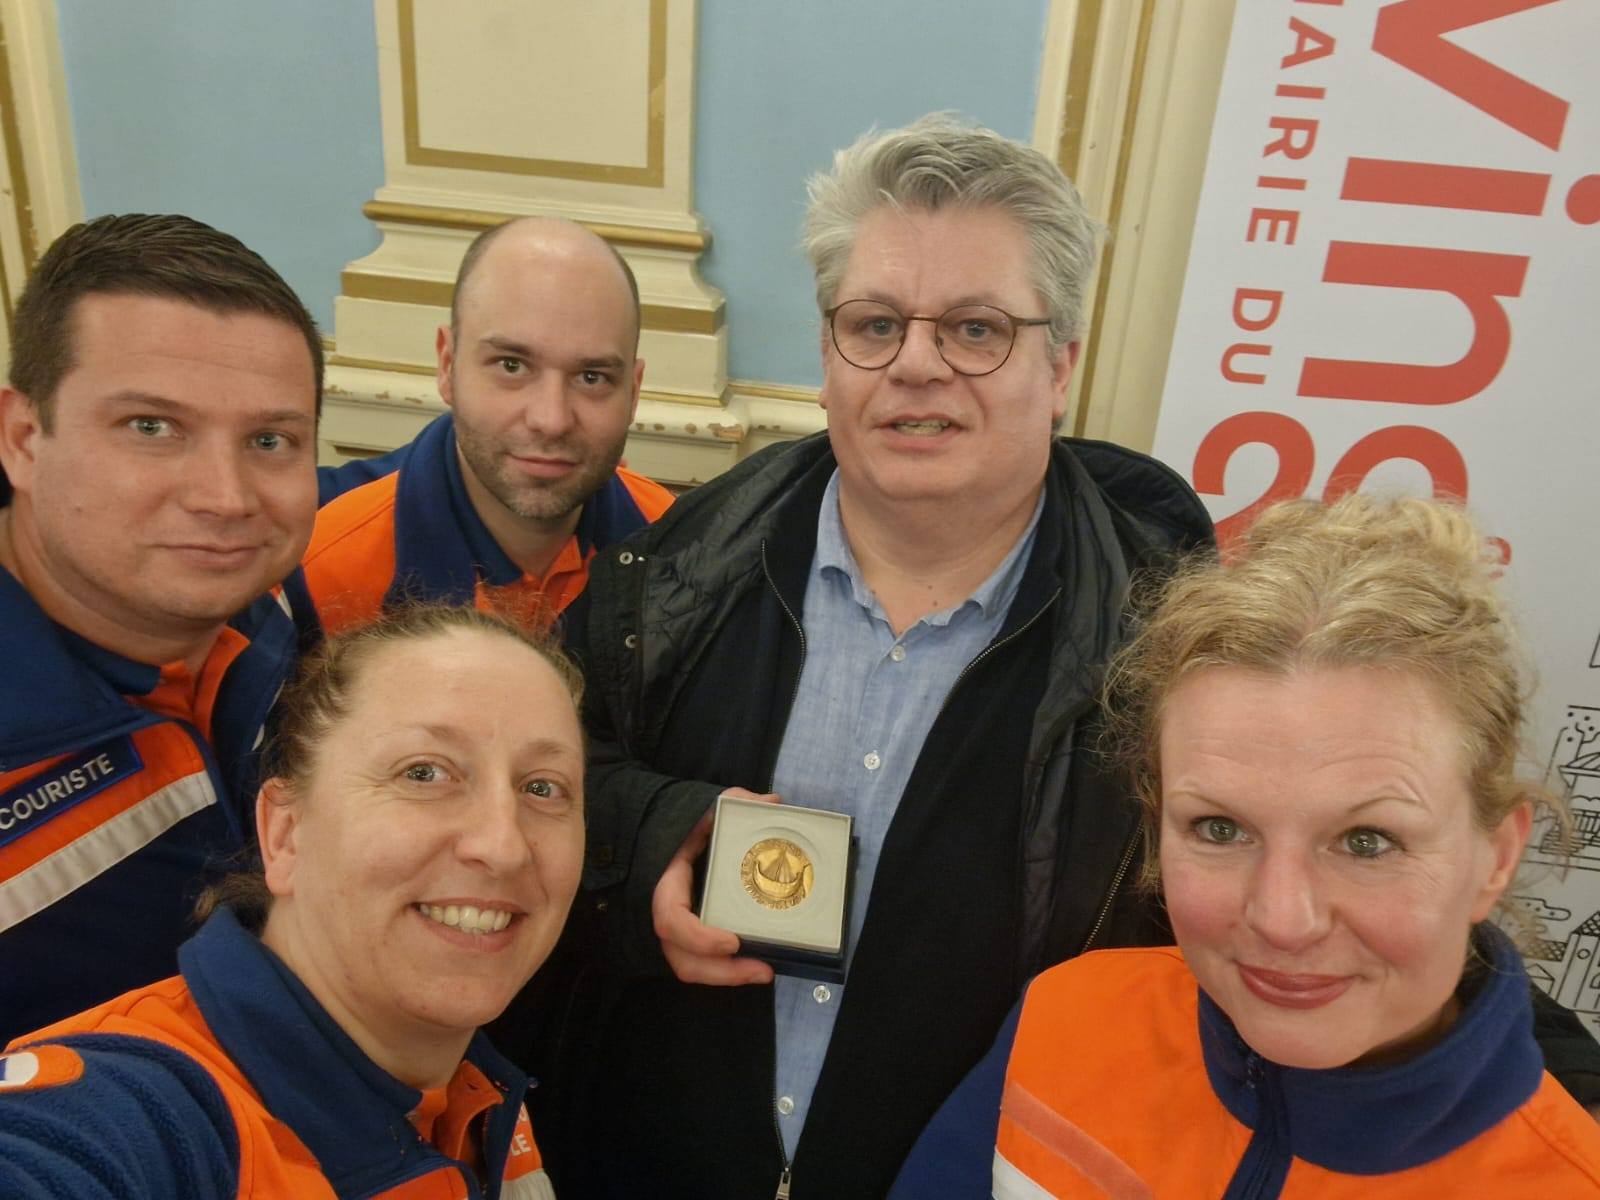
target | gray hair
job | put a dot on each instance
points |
(943, 161)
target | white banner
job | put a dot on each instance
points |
(1395, 283)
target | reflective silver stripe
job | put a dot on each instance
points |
(1011, 1184)
(534, 1186)
(102, 848)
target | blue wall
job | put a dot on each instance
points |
(257, 116)
(262, 118)
(782, 86)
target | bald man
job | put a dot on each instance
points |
(502, 501)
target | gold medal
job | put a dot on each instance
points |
(776, 873)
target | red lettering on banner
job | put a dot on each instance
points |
(1447, 470)
(1283, 434)
(1410, 33)
(1583, 201)
(1310, 44)
(1235, 376)
(1436, 185)
(1288, 144)
(1273, 219)
(1251, 321)
(1476, 279)
(1243, 296)
(1413, 34)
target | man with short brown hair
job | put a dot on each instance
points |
(502, 501)
(158, 445)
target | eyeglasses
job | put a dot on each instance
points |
(973, 339)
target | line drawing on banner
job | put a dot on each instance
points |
(1563, 957)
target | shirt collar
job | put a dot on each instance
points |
(441, 540)
(498, 569)
(126, 676)
(992, 596)
(608, 516)
(1373, 1120)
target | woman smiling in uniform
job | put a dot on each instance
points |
(1324, 734)
(422, 837)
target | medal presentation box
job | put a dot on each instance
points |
(780, 877)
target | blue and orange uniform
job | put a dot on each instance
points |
(230, 1081)
(403, 527)
(1119, 1077)
(120, 784)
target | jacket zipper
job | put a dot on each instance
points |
(992, 647)
(777, 1131)
(1261, 1171)
(786, 1172)
(1133, 840)
(783, 1179)
(1111, 892)
(799, 632)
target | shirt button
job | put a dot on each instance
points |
(821, 994)
(872, 762)
(786, 1106)
(898, 653)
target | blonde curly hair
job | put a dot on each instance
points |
(1401, 584)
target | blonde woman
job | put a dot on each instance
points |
(1324, 735)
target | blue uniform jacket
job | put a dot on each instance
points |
(110, 814)
(146, 1118)
(1362, 1121)
(414, 534)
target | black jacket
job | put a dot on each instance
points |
(1012, 848)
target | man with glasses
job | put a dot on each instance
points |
(502, 501)
(905, 619)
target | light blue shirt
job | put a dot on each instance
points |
(865, 704)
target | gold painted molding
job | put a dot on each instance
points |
(673, 396)
(1119, 189)
(668, 318)
(437, 293)
(774, 391)
(1080, 68)
(649, 175)
(11, 133)
(477, 220)
(336, 359)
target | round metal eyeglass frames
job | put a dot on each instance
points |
(973, 339)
